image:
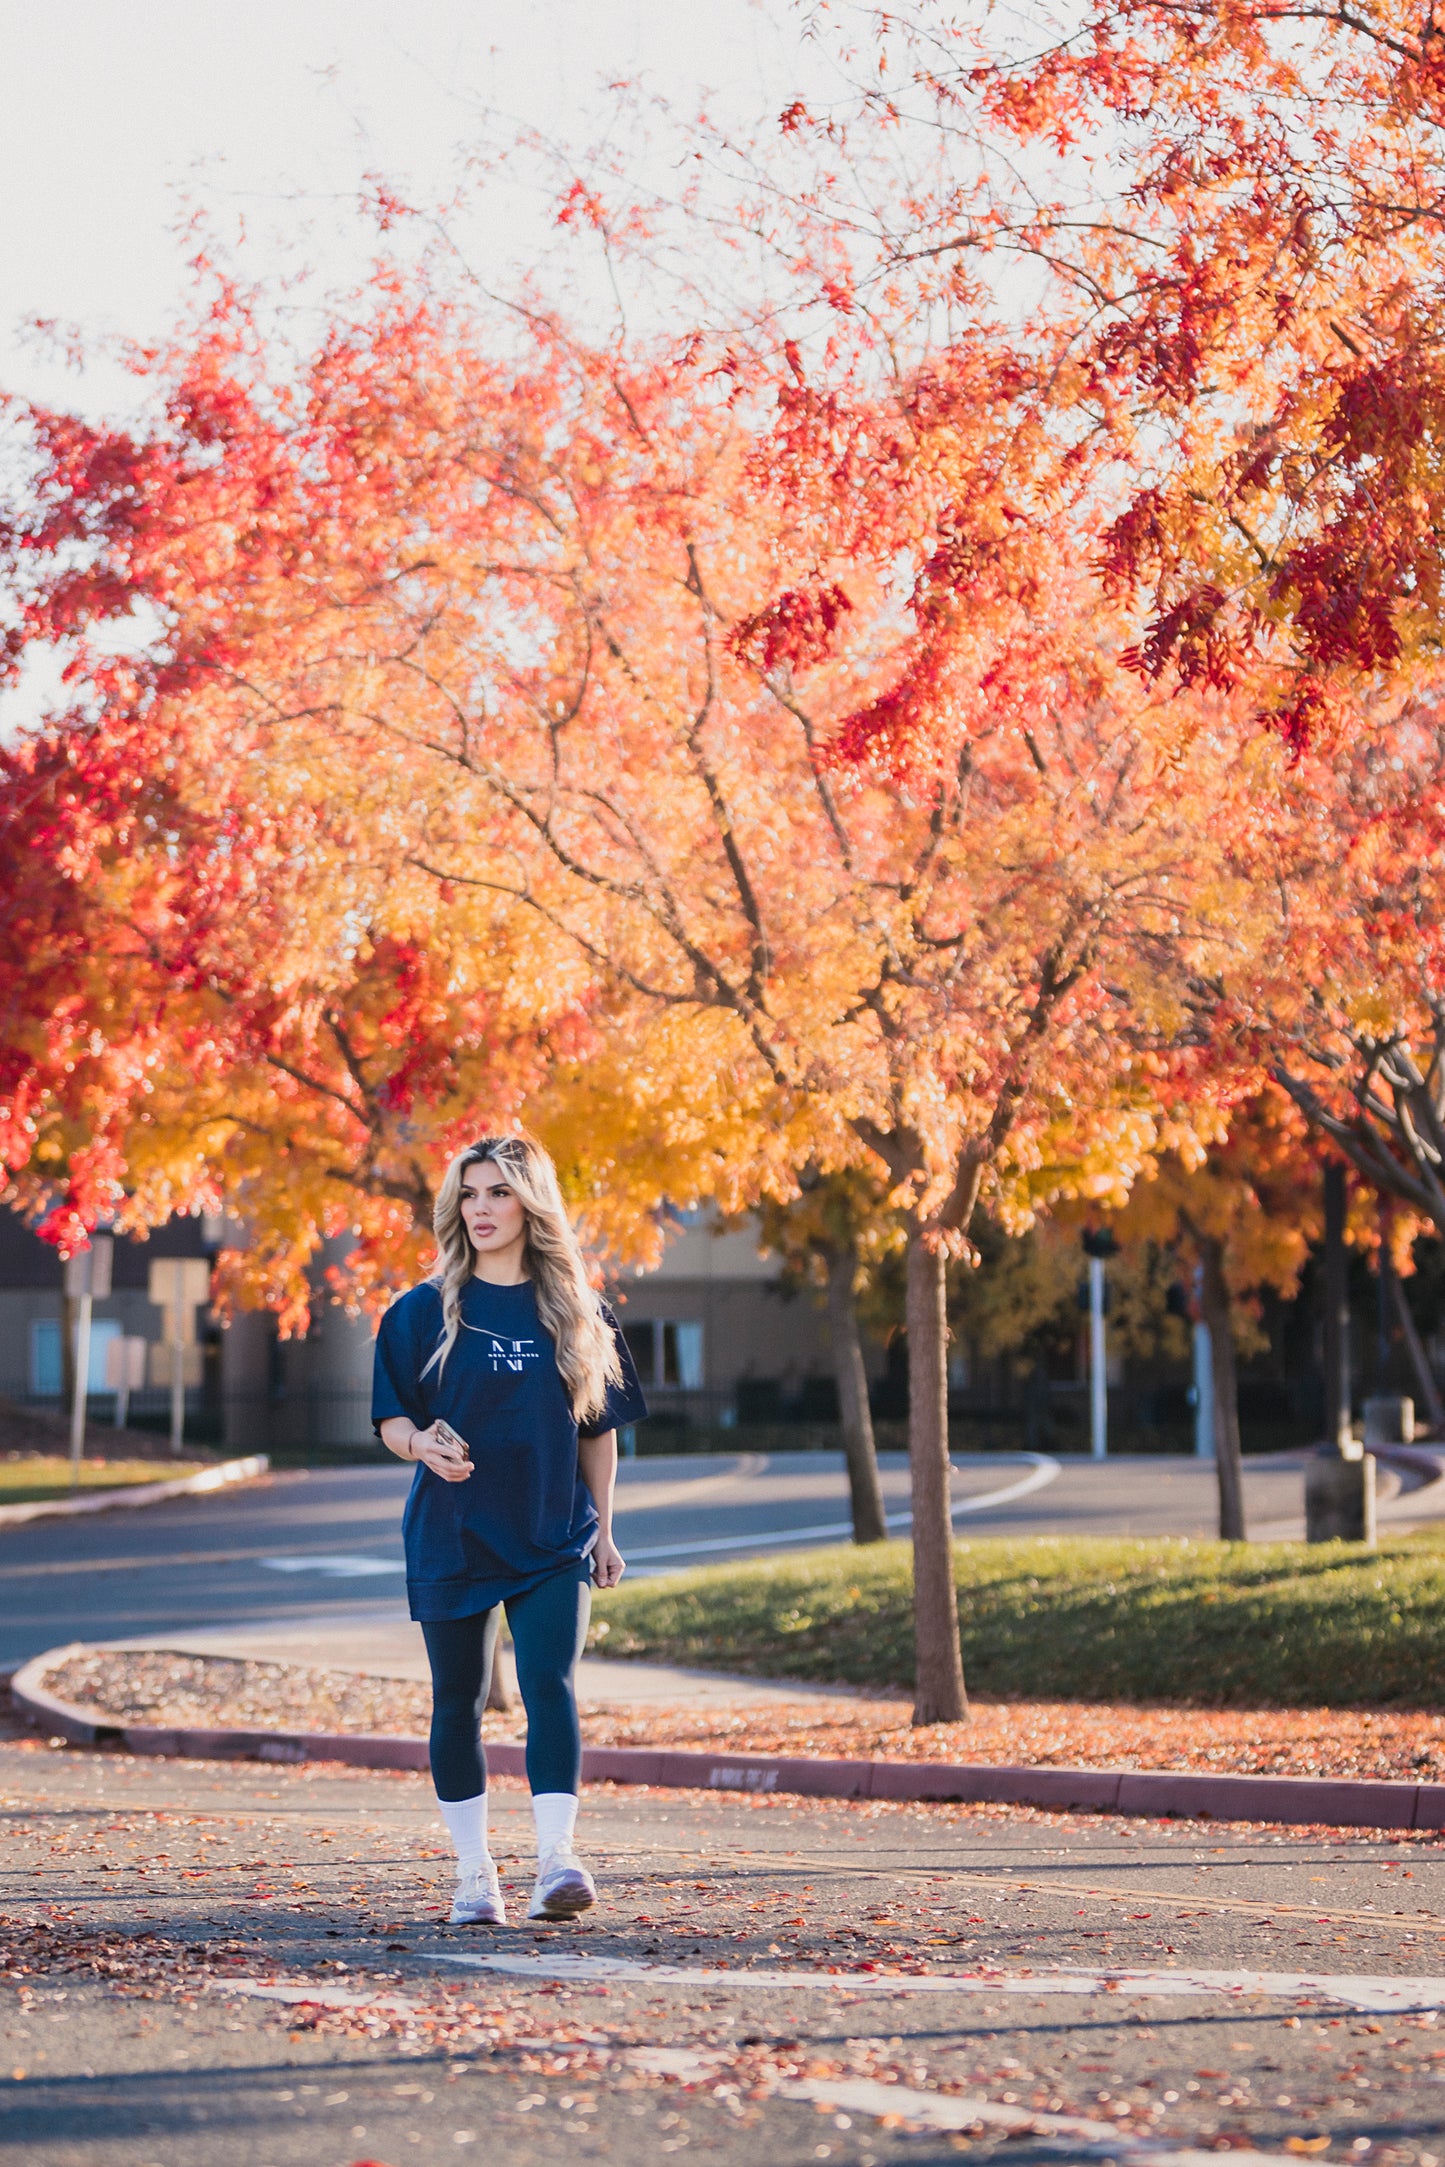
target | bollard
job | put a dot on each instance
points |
(1389, 1420)
(1340, 1496)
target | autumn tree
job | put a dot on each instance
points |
(1243, 1215)
(828, 1235)
(1347, 997)
(756, 723)
(1238, 211)
(222, 987)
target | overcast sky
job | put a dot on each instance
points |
(119, 112)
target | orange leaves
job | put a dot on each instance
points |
(735, 774)
(1243, 288)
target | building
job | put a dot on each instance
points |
(716, 1337)
(32, 1318)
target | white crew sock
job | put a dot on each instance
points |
(466, 1820)
(556, 1817)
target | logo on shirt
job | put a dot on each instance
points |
(507, 1354)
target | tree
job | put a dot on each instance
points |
(1246, 1214)
(824, 1235)
(222, 987)
(210, 1007)
(1347, 999)
(1239, 210)
(751, 718)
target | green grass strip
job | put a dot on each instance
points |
(1205, 1624)
(36, 1478)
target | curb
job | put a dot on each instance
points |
(139, 1493)
(1148, 1793)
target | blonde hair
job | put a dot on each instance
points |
(567, 1303)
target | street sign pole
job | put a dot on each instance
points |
(178, 1387)
(125, 1372)
(87, 1274)
(77, 1396)
(1098, 1371)
(177, 1286)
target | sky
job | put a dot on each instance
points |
(121, 119)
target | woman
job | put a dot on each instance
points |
(504, 1378)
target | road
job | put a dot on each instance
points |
(304, 1544)
(208, 1966)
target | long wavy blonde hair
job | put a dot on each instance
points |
(567, 1303)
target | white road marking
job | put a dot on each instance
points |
(1374, 1995)
(855, 2095)
(298, 1994)
(338, 1565)
(945, 2111)
(1042, 1471)
(335, 1565)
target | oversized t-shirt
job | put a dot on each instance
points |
(524, 1512)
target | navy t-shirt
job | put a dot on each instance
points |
(524, 1512)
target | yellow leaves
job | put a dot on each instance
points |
(1371, 1011)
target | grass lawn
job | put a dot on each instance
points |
(33, 1478)
(1205, 1623)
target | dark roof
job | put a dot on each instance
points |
(27, 1261)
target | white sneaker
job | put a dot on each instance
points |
(478, 1900)
(564, 1886)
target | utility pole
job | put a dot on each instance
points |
(87, 1277)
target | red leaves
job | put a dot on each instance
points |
(898, 728)
(1250, 311)
(582, 205)
(1192, 638)
(795, 630)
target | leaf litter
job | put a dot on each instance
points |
(165, 1688)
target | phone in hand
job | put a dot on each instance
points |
(452, 1437)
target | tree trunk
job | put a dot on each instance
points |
(501, 1686)
(865, 1492)
(1425, 1383)
(1215, 1303)
(939, 1695)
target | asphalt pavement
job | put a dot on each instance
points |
(303, 1544)
(233, 1966)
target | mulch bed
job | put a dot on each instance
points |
(25, 1431)
(159, 1687)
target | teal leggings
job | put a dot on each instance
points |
(549, 1627)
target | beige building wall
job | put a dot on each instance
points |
(751, 1327)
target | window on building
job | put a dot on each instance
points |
(682, 1356)
(667, 1351)
(46, 1375)
(45, 1371)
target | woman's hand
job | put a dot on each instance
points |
(443, 1459)
(608, 1563)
